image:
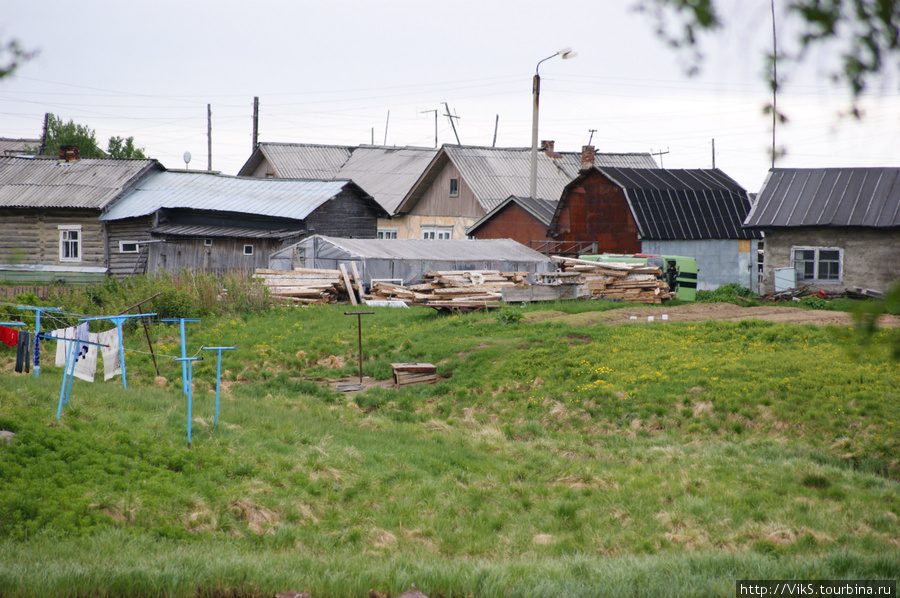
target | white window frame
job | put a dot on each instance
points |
(207, 242)
(454, 192)
(246, 252)
(122, 249)
(437, 232)
(65, 232)
(801, 273)
(387, 233)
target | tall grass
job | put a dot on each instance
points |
(550, 459)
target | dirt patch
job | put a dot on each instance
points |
(700, 312)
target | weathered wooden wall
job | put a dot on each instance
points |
(436, 201)
(346, 215)
(595, 210)
(130, 230)
(224, 255)
(31, 236)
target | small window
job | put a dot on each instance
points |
(437, 232)
(387, 233)
(248, 249)
(69, 243)
(454, 187)
(129, 247)
(817, 264)
(207, 242)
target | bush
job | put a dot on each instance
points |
(728, 293)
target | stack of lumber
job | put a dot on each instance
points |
(307, 285)
(453, 287)
(626, 282)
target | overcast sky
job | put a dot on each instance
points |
(353, 72)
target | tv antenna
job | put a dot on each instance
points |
(435, 125)
(660, 153)
(452, 124)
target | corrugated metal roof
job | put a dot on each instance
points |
(541, 209)
(387, 173)
(432, 250)
(90, 183)
(684, 204)
(868, 197)
(278, 198)
(494, 174)
(221, 231)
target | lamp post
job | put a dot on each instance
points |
(566, 53)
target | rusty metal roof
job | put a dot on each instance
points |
(278, 198)
(868, 197)
(387, 173)
(90, 183)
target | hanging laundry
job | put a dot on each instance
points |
(9, 336)
(62, 347)
(37, 351)
(112, 365)
(86, 360)
(23, 352)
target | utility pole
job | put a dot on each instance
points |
(388, 122)
(452, 124)
(714, 152)
(255, 123)
(209, 136)
(496, 124)
(660, 153)
(435, 125)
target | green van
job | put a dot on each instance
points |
(679, 272)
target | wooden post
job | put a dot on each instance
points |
(349, 286)
(209, 137)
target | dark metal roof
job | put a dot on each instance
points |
(684, 204)
(222, 231)
(867, 197)
(539, 208)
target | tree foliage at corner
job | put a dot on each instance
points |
(12, 55)
(124, 148)
(867, 32)
(60, 133)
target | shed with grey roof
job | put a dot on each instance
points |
(216, 223)
(406, 261)
(831, 228)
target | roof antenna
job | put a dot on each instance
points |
(591, 138)
(452, 124)
(435, 125)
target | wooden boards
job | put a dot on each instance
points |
(635, 283)
(452, 287)
(414, 373)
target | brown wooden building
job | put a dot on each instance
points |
(521, 219)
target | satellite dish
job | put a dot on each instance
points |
(187, 159)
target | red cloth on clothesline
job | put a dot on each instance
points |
(9, 336)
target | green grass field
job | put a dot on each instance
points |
(550, 459)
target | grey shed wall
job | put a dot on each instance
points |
(719, 261)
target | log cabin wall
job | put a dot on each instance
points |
(513, 222)
(595, 210)
(32, 237)
(221, 256)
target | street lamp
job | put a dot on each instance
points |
(566, 53)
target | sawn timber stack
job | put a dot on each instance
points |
(635, 283)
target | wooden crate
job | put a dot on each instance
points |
(414, 373)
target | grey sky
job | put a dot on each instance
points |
(350, 72)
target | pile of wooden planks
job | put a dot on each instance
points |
(414, 373)
(635, 283)
(310, 285)
(453, 287)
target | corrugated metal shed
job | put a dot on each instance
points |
(90, 183)
(279, 198)
(868, 197)
(684, 204)
(541, 209)
(409, 259)
(493, 174)
(387, 173)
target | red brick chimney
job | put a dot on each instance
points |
(68, 153)
(547, 145)
(587, 157)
